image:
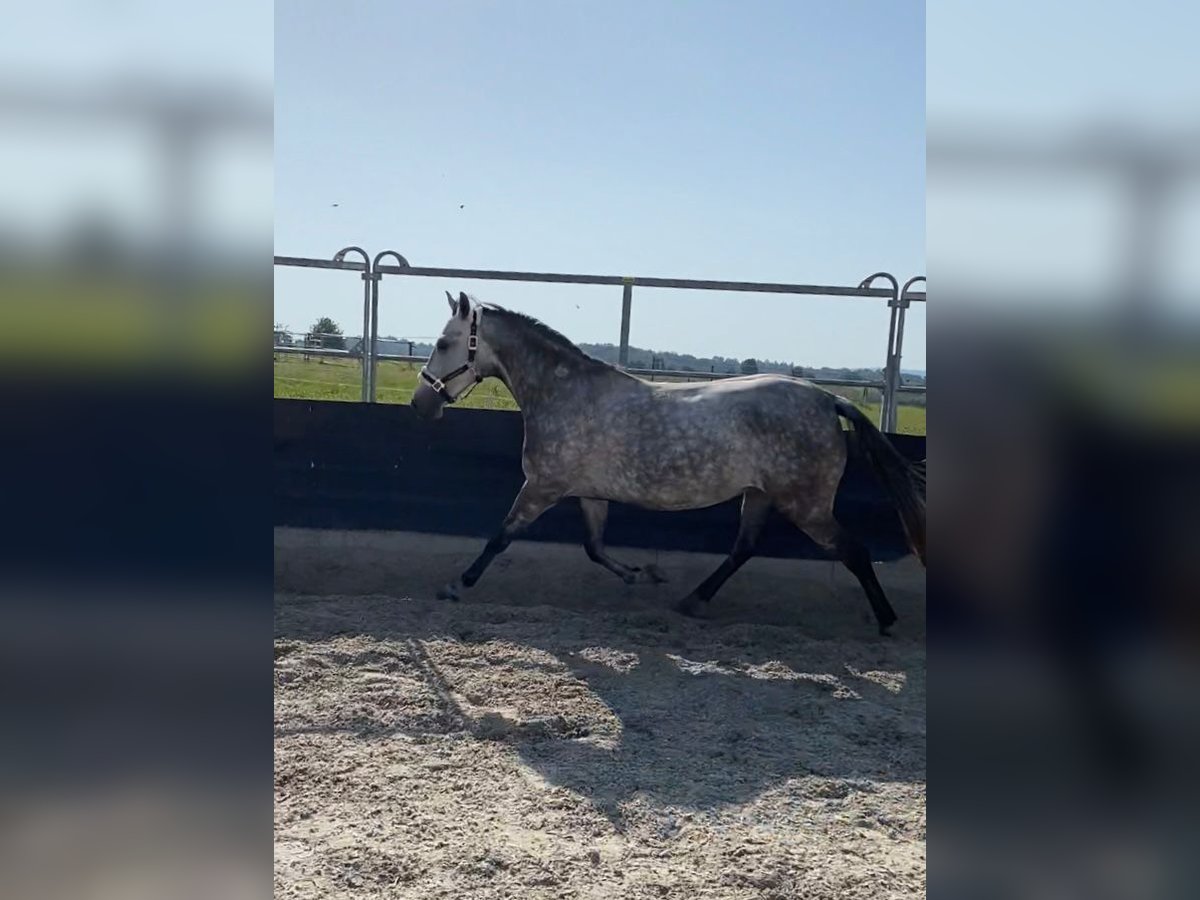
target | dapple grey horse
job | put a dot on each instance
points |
(600, 434)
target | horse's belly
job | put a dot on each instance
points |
(668, 491)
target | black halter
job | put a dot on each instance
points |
(439, 384)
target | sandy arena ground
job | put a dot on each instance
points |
(558, 734)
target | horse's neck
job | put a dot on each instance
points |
(530, 368)
(529, 375)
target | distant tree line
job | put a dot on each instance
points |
(640, 358)
(685, 362)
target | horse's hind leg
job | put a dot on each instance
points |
(832, 537)
(755, 507)
(531, 502)
(595, 514)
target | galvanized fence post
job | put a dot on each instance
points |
(899, 352)
(370, 345)
(340, 256)
(626, 309)
(376, 277)
(888, 398)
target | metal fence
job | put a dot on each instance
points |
(372, 271)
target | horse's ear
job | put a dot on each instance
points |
(464, 305)
(453, 303)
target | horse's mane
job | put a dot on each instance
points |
(540, 328)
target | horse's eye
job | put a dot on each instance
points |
(443, 344)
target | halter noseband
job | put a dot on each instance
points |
(439, 384)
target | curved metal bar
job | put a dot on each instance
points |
(899, 349)
(367, 276)
(910, 283)
(340, 256)
(371, 325)
(400, 260)
(866, 282)
(887, 402)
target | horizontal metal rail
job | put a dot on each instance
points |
(648, 373)
(762, 287)
(316, 351)
(305, 262)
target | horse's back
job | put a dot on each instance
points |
(765, 400)
(678, 446)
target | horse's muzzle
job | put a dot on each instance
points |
(427, 403)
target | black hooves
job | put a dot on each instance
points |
(688, 606)
(654, 574)
(647, 574)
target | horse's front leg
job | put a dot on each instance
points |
(531, 502)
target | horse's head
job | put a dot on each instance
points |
(452, 369)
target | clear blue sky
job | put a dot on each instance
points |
(773, 141)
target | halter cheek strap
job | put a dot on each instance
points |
(439, 384)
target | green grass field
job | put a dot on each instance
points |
(341, 379)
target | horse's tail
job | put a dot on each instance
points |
(904, 481)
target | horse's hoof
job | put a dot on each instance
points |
(449, 592)
(645, 575)
(885, 630)
(654, 574)
(688, 606)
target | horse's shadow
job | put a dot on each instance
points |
(688, 733)
(739, 737)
